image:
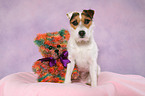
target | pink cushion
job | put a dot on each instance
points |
(109, 84)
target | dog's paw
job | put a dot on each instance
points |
(67, 81)
(93, 84)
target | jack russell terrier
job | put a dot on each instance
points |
(82, 49)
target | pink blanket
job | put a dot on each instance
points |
(109, 84)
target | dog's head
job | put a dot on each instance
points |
(81, 24)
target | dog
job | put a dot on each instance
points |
(82, 49)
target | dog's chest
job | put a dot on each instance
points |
(82, 56)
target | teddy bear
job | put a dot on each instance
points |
(52, 67)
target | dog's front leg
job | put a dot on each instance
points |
(70, 67)
(93, 73)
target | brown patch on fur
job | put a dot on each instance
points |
(75, 18)
(88, 13)
(83, 20)
(74, 15)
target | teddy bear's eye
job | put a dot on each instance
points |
(50, 47)
(58, 46)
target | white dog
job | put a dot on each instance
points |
(82, 48)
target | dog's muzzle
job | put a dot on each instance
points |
(82, 33)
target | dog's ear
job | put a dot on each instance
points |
(69, 15)
(89, 13)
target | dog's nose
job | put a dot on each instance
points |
(82, 33)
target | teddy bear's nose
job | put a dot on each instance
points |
(56, 51)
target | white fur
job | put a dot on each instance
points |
(84, 53)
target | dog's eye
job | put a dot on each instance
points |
(75, 23)
(86, 21)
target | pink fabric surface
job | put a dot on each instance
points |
(109, 84)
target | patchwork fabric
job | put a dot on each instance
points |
(52, 68)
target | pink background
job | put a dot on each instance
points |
(119, 32)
